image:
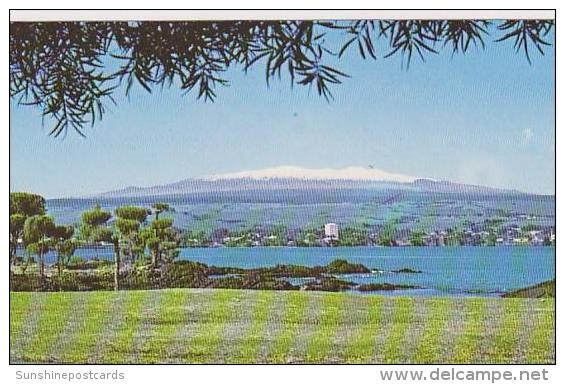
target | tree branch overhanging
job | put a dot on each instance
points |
(70, 70)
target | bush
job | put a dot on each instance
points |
(252, 282)
(330, 284)
(340, 266)
(384, 287)
(76, 260)
(184, 274)
(68, 281)
(83, 275)
(81, 264)
(288, 271)
(26, 282)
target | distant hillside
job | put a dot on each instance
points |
(368, 204)
(447, 186)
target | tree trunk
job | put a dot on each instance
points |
(59, 271)
(153, 258)
(117, 265)
(41, 263)
(13, 250)
(158, 250)
(12, 263)
(159, 259)
(130, 251)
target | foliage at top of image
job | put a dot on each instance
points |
(70, 70)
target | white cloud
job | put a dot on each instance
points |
(527, 135)
(483, 169)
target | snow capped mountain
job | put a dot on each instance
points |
(292, 172)
(303, 179)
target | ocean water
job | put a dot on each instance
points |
(446, 271)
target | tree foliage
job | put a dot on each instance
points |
(70, 70)
(133, 213)
(37, 228)
(161, 240)
(62, 232)
(36, 233)
(95, 217)
(93, 223)
(22, 206)
(159, 208)
(17, 221)
(63, 244)
(26, 204)
(127, 227)
(128, 224)
(102, 234)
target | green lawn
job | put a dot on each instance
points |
(239, 326)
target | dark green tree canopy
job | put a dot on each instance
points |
(22, 206)
(159, 208)
(17, 221)
(71, 69)
(102, 234)
(37, 228)
(66, 248)
(161, 224)
(130, 212)
(26, 204)
(41, 247)
(127, 227)
(95, 217)
(62, 232)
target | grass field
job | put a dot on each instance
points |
(238, 326)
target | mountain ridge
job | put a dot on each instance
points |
(289, 177)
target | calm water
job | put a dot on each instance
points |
(453, 271)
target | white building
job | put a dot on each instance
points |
(331, 230)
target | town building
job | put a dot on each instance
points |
(331, 231)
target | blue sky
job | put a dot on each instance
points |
(484, 118)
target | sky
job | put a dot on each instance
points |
(486, 118)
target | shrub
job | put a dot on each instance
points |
(384, 287)
(340, 266)
(330, 284)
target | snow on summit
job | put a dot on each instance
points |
(293, 172)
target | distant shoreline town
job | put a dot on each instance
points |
(331, 235)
